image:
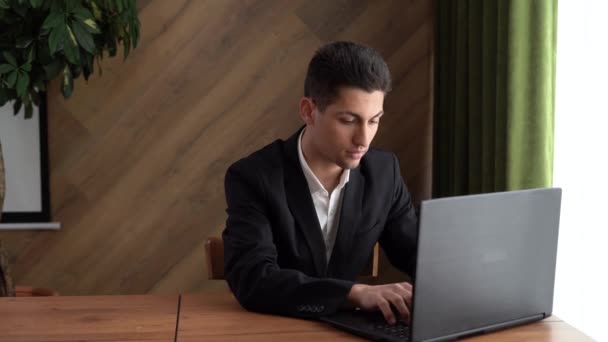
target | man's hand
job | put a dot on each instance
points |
(381, 297)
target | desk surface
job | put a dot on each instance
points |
(216, 316)
(90, 318)
(210, 316)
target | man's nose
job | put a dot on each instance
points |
(363, 136)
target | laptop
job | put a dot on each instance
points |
(485, 262)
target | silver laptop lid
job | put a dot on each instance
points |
(485, 261)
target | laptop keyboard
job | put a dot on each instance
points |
(399, 330)
(371, 325)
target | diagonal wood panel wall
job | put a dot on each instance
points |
(138, 155)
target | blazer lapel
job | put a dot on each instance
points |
(352, 204)
(301, 204)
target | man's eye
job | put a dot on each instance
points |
(374, 122)
(348, 122)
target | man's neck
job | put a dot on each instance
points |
(326, 172)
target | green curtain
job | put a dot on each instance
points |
(494, 95)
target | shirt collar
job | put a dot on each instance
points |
(313, 182)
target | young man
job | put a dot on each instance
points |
(304, 214)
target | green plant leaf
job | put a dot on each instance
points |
(82, 13)
(71, 35)
(23, 42)
(71, 5)
(91, 26)
(35, 95)
(17, 106)
(43, 53)
(57, 6)
(5, 68)
(12, 78)
(30, 54)
(98, 61)
(127, 47)
(111, 46)
(96, 11)
(71, 51)
(85, 39)
(134, 31)
(29, 110)
(76, 70)
(52, 69)
(45, 38)
(55, 19)
(36, 3)
(9, 58)
(20, 8)
(87, 64)
(57, 37)
(67, 84)
(22, 82)
(3, 97)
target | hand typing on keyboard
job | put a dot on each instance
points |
(384, 298)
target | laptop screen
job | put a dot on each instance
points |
(485, 261)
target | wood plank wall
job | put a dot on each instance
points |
(138, 155)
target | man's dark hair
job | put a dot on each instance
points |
(344, 64)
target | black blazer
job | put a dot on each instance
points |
(274, 252)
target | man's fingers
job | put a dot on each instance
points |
(406, 286)
(407, 297)
(381, 297)
(385, 307)
(399, 303)
(406, 294)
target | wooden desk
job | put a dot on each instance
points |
(216, 316)
(98, 318)
(210, 316)
(543, 331)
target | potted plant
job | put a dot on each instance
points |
(44, 39)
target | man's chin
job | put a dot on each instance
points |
(350, 164)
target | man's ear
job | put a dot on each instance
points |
(307, 109)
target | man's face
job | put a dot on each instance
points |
(343, 132)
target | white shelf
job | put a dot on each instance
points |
(31, 226)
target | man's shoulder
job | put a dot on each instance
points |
(267, 158)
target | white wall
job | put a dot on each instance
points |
(581, 165)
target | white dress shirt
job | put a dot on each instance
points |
(328, 206)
